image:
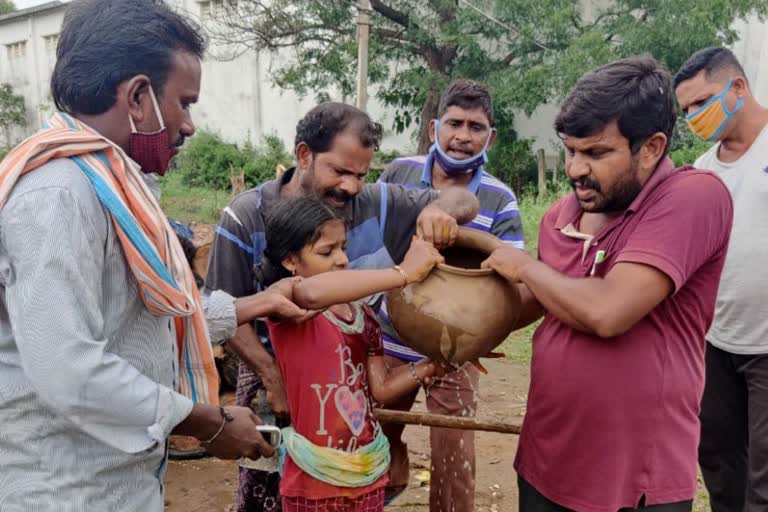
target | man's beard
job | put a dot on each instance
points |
(618, 198)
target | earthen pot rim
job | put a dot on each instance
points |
(472, 272)
(475, 238)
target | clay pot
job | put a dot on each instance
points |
(459, 312)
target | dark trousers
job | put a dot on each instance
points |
(532, 500)
(733, 453)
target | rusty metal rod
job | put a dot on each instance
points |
(443, 421)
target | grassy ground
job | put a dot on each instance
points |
(187, 204)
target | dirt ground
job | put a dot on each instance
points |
(210, 484)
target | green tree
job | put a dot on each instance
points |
(7, 6)
(13, 112)
(530, 51)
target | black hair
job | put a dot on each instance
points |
(106, 42)
(323, 123)
(467, 94)
(712, 61)
(291, 225)
(636, 93)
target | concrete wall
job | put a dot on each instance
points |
(752, 52)
(30, 72)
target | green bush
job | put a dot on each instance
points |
(686, 147)
(381, 159)
(688, 155)
(512, 159)
(208, 161)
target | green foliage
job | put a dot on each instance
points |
(13, 112)
(511, 159)
(381, 160)
(208, 161)
(532, 54)
(686, 147)
(688, 155)
(7, 6)
(191, 204)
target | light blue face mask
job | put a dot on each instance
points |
(453, 166)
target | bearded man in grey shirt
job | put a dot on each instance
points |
(89, 369)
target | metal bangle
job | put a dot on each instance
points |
(402, 273)
(225, 418)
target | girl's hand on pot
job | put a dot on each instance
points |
(420, 260)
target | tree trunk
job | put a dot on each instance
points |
(428, 113)
(542, 164)
(363, 28)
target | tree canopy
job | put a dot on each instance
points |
(531, 52)
(7, 6)
(12, 110)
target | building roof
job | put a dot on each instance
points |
(29, 11)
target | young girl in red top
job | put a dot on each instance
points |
(332, 366)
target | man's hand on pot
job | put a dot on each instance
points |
(508, 262)
(436, 226)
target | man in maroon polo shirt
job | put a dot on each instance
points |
(627, 276)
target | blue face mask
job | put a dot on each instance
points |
(453, 166)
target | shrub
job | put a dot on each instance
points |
(207, 161)
(512, 161)
(688, 155)
(686, 147)
(381, 159)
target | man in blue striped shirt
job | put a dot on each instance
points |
(462, 136)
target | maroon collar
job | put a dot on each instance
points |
(571, 210)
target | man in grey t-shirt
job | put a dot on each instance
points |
(714, 93)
